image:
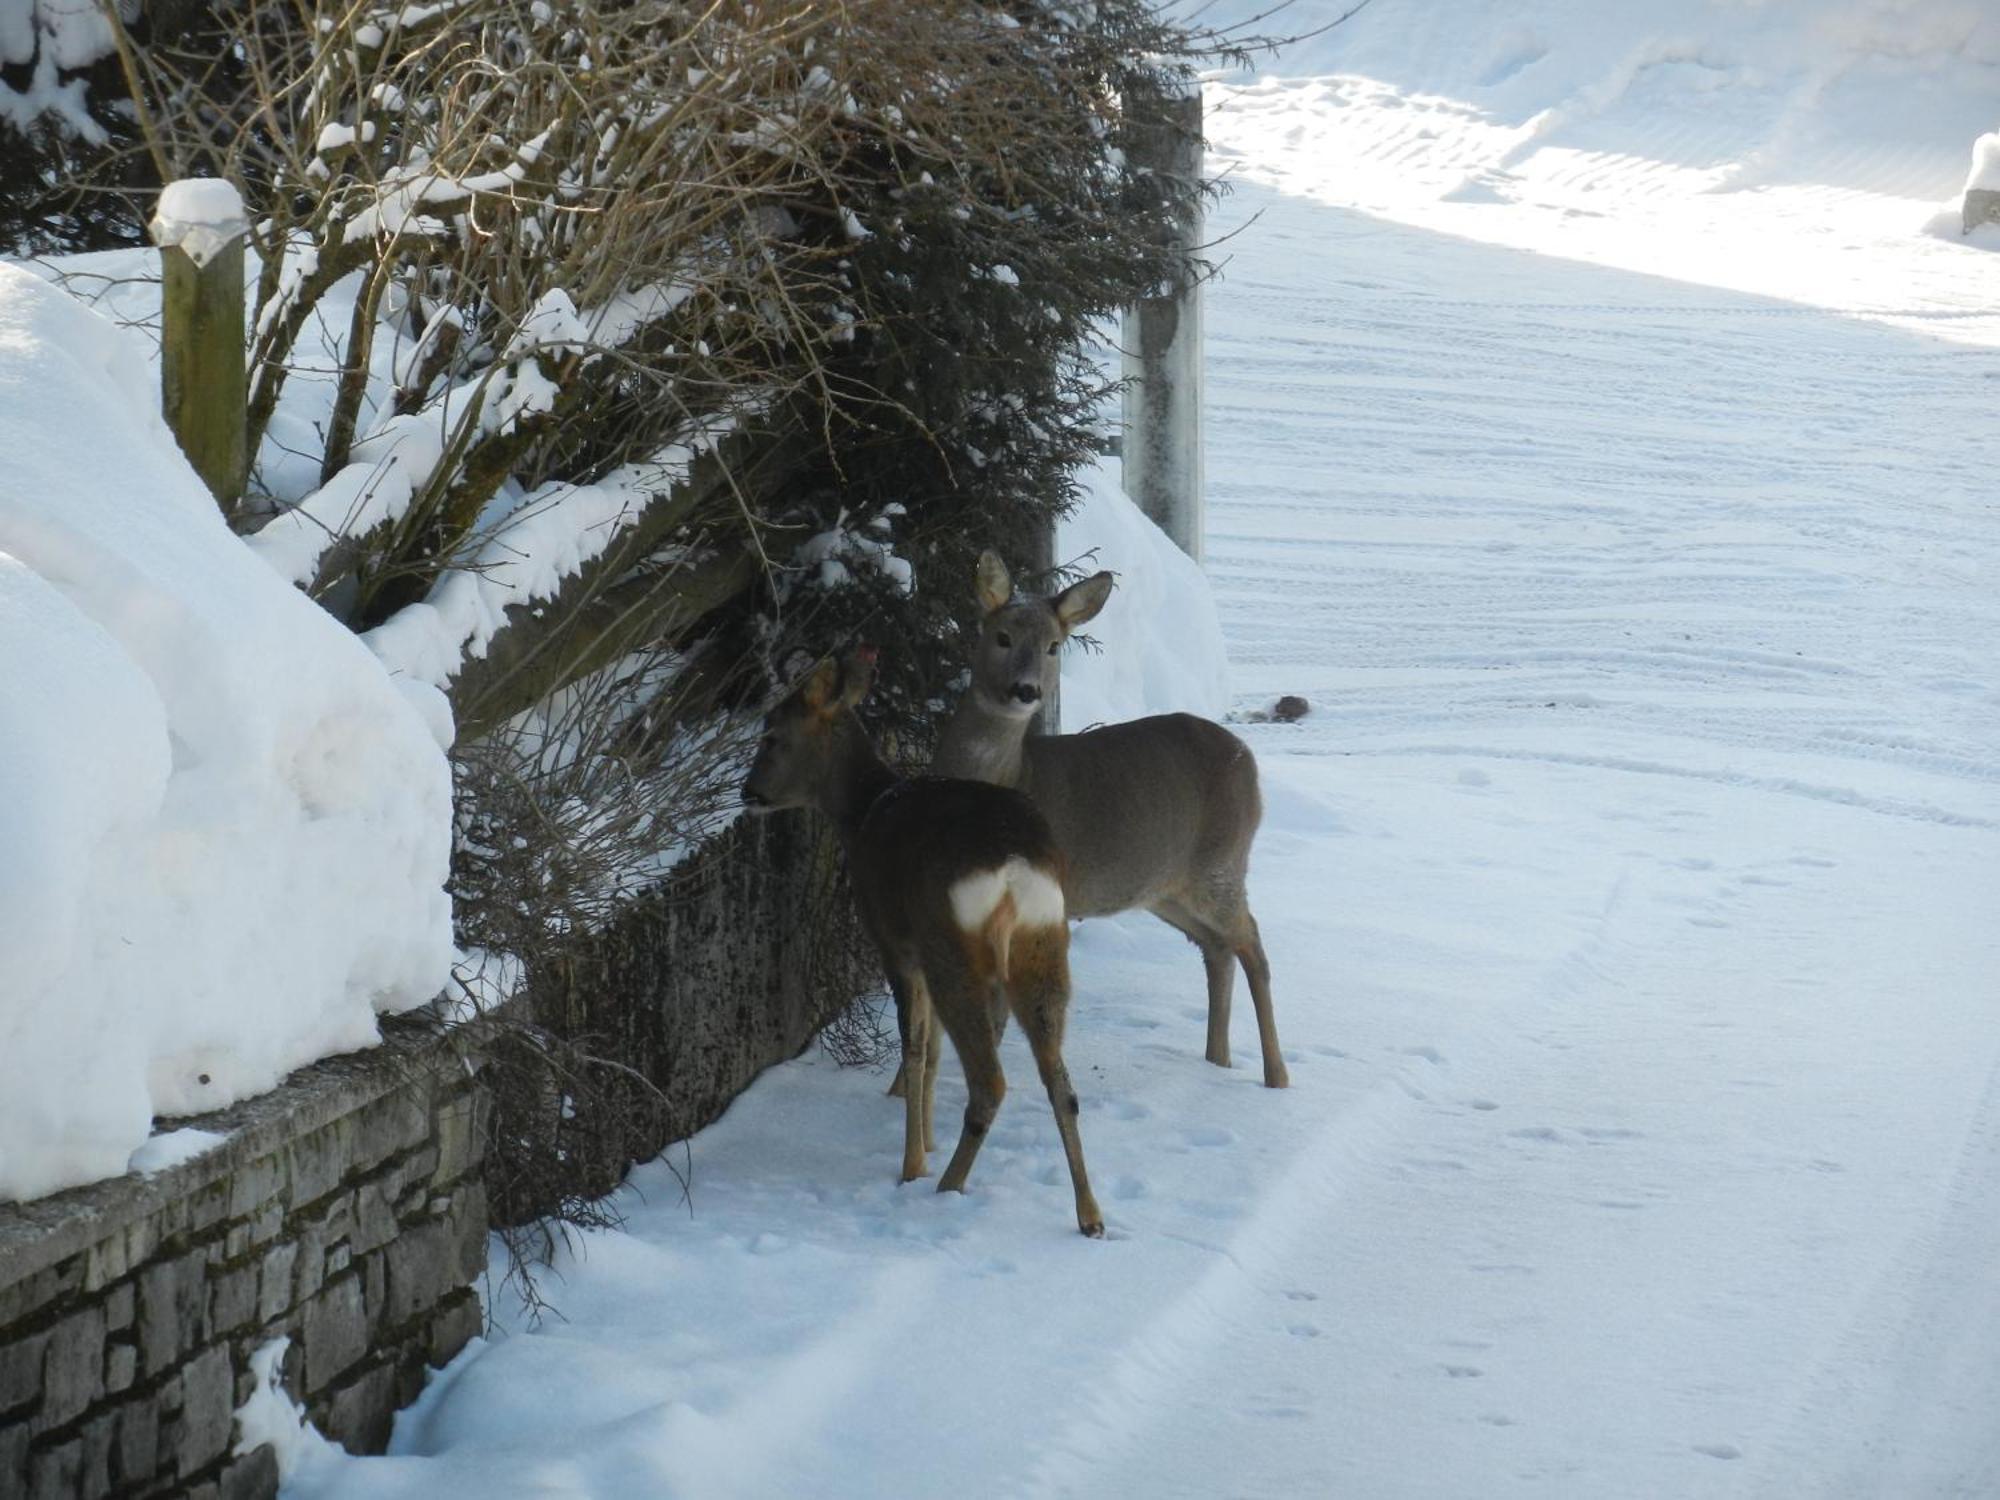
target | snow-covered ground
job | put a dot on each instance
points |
(1602, 443)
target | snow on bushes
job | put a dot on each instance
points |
(226, 830)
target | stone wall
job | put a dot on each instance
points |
(734, 964)
(345, 1212)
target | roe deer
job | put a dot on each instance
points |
(1156, 812)
(960, 886)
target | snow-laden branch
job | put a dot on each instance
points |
(390, 468)
(545, 539)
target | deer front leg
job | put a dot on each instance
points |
(931, 1053)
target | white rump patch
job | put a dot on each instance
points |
(1038, 900)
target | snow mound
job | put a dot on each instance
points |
(1160, 637)
(226, 829)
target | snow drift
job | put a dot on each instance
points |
(226, 830)
(1158, 641)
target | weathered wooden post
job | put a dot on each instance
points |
(199, 227)
(1160, 449)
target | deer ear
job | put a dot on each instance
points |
(858, 677)
(1081, 601)
(821, 693)
(992, 584)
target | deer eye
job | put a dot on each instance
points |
(1003, 640)
(1054, 647)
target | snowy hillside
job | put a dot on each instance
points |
(1603, 441)
(225, 830)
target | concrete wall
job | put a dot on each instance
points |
(345, 1211)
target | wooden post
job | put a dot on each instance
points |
(1161, 449)
(199, 228)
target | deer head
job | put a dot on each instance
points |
(797, 753)
(1015, 663)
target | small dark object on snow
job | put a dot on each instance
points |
(1290, 709)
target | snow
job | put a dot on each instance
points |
(1157, 646)
(39, 41)
(1985, 173)
(228, 832)
(1628, 525)
(170, 1148)
(1602, 448)
(200, 216)
(268, 1415)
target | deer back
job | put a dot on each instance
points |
(1144, 809)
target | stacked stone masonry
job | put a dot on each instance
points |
(345, 1213)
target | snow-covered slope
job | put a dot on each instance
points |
(1619, 489)
(223, 830)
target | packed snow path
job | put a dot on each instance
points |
(1630, 892)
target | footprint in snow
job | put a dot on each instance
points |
(1718, 1450)
(1209, 1135)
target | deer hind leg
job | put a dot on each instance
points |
(1218, 958)
(1039, 990)
(919, 1025)
(1257, 969)
(1227, 935)
(961, 976)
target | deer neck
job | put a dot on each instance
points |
(982, 742)
(857, 776)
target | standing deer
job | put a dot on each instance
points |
(1157, 812)
(960, 886)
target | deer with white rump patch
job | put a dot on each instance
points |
(1156, 813)
(960, 885)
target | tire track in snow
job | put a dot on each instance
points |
(1911, 1385)
(1125, 1397)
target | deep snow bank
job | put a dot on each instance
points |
(223, 830)
(1158, 642)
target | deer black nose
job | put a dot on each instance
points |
(1026, 692)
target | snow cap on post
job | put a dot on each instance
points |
(199, 216)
